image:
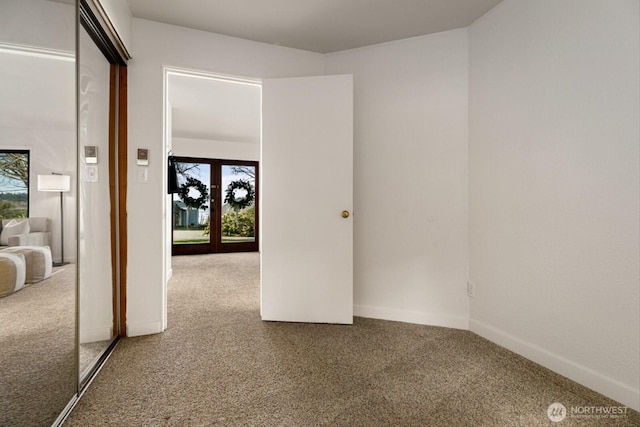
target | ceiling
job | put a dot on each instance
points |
(209, 109)
(322, 26)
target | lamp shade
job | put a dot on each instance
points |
(59, 183)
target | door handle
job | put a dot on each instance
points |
(345, 214)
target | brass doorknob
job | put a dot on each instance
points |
(345, 214)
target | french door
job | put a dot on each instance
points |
(216, 206)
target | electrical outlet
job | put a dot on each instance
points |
(471, 289)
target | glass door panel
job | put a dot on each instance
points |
(238, 213)
(191, 205)
(216, 206)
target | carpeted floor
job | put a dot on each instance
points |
(37, 350)
(219, 364)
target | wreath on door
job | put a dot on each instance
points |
(239, 203)
(194, 202)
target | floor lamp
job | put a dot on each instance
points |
(57, 183)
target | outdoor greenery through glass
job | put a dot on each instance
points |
(238, 211)
(14, 184)
(191, 204)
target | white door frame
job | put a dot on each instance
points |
(168, 71)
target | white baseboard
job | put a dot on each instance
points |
(149, 328)
(604, 385)
(407, 316)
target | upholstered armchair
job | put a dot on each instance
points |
(35, 232)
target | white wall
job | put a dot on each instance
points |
(168, 225)
(216, 149)
(156, 45)
(554, 187)
(410, 178)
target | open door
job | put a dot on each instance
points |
(307, 198)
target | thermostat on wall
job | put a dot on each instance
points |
(91, 154)
(143, 157)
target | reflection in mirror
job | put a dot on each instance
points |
(97, 288)
(37, 139)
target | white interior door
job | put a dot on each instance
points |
(307, 183)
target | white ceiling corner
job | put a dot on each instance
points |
(322, 26)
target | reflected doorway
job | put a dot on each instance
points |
(216, 206)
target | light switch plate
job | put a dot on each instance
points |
(92, 173)
(143, 174)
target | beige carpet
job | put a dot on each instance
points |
(219, 364)
(37, 350)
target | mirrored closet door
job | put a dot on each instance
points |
(38, 195)
(101, 138)
(62, 192)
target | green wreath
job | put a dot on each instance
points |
(235, 203)
(194, 202)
